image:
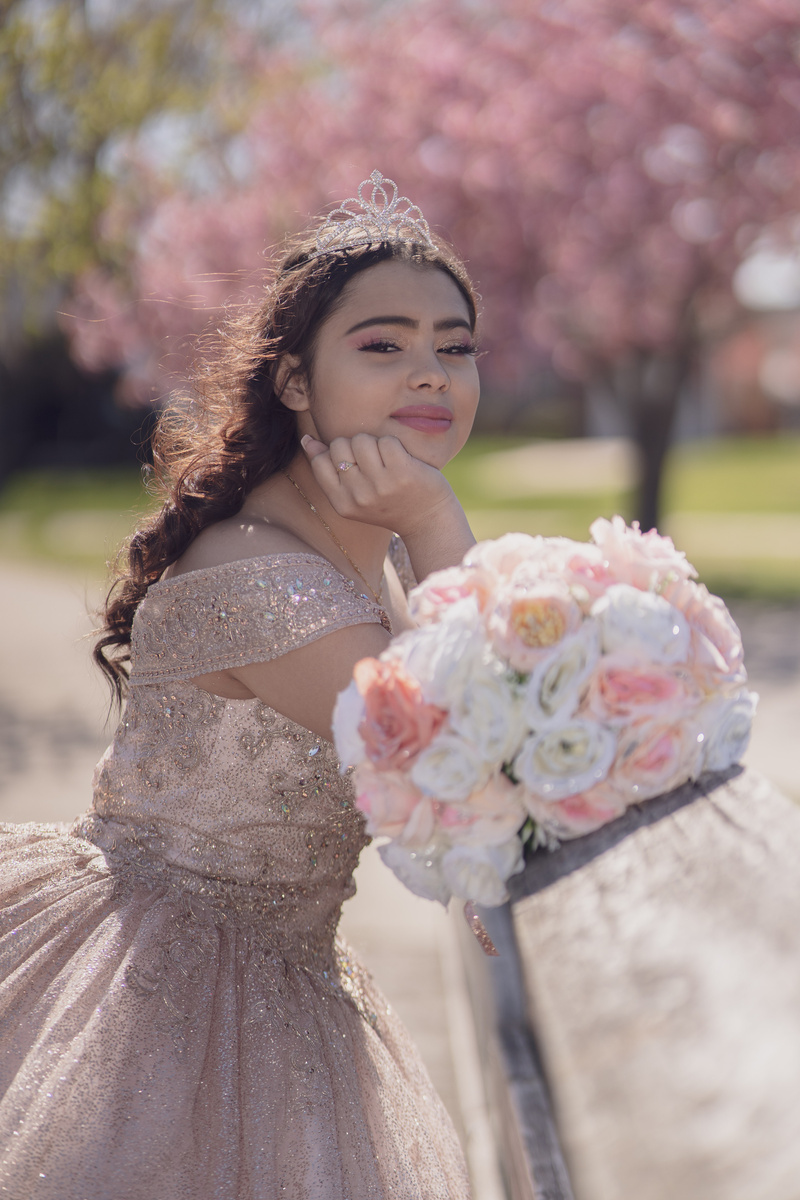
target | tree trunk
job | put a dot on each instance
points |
(647, 385)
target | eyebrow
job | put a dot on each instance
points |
(410, 323)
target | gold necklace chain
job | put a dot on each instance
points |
(378, 596)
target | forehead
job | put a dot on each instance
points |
(400, 289)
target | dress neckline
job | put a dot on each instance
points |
(304, 555)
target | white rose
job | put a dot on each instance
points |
(348, 714)
(725, 725)
(643, 622)
(488, 715)
(419, 870)
(554, 689)
(479, 873)
(567, 760)
(444, 656)
(450, 769)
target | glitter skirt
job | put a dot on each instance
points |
(155, 1048)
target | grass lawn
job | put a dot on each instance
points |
(733, 504)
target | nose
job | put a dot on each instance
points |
(428, 373)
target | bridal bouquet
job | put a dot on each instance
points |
(549, 685)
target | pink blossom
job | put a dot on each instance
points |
(398, 723)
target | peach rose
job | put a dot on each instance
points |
(622, 688)
(392, 805)
(397, 723)
(530, 619)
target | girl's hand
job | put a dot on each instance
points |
(385, 486)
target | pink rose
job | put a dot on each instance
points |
(576, 815)
(488, 817)
(398, 723)
(622, 688)
(430, 599)
(654, 757)
(530, 619)
(392, 805)
(644, 560)
(716, 655)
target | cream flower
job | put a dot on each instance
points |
(555, 687)
(643, 623)
(444, 657)
(479, 873)
(450, 769)
(725, 724)
(566, 760)
(419, 870)
(488, 715)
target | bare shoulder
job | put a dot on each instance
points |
(235, 539)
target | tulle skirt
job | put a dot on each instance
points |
(152, 1050)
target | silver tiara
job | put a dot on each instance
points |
(357, 221)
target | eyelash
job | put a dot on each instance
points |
(465, 348)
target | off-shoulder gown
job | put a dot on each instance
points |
(178, 1019)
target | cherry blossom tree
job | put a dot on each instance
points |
(604, 164)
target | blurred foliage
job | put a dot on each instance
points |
(77, 519)
(77, 79)
(736, 475)
(604, 164)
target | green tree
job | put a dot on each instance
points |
(89, 91)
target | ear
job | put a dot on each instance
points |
(291, 385)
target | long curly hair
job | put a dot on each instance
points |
(232, 432)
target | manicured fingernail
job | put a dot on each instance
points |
(305, 439)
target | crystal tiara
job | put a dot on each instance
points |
(358, 221)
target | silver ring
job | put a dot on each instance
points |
(344, 466)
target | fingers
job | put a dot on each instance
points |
(312, 446)
(382, 475)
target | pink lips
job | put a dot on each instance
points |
(427, 418)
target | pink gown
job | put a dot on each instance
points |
(179, 1021)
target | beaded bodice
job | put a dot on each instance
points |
(228, 799)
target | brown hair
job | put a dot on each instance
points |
(211, 449)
